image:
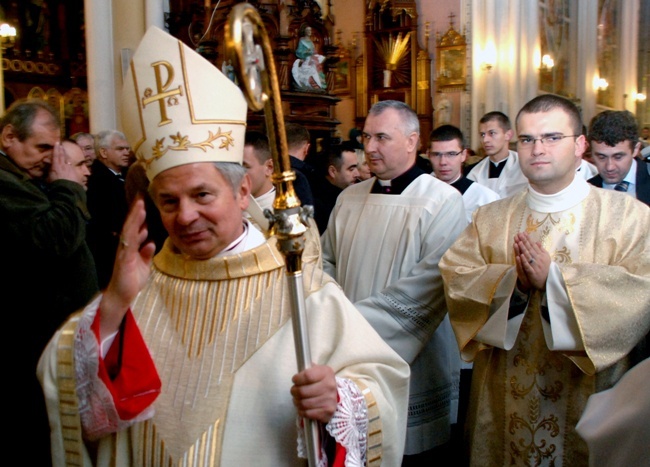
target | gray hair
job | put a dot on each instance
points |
(77, 136)
(105, 138)
(22, 114)
(232, 172)
(410, 118)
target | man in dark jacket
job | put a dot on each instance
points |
(107, 200)
(47, 270)
(615, 151)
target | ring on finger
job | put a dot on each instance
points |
(123, 242)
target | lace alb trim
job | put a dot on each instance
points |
(348, 426)
(97, 411)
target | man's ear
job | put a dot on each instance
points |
(331, 171)
(268, 167)
(412, 142)
(8, 136)
(509, 135)
(244, 191)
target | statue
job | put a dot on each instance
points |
(229, 70)
(443, 112)
(307, 69)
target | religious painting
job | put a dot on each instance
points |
(342, 76)
(76, 111)
(451, 68)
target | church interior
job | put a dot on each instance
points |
(450, 60)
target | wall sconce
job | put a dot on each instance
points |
(600, 84)
(640, 97)
(488, 57)
(547, 63)
(7, 35)
(486, 66)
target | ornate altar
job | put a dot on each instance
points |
(393, 65)
(47, 58)
(201, 25)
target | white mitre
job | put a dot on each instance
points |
(178, 108)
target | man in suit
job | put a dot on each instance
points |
(107, 200)
(615, 149)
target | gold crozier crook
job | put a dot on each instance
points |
(251, 53)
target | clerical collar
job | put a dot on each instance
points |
(246, 241)
(462, 184)
(572, 195)
(398, 184)
(495, 168)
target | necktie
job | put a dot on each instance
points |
(622, 186)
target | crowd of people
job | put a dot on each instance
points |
(490, 313)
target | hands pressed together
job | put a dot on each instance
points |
(533, 263)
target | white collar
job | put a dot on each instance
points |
(248, 240)
(567, 198)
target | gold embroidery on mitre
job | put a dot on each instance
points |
(163, 93)
(183, 143)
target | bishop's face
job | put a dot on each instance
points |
(199, 208)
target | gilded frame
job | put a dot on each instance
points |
(452, 66)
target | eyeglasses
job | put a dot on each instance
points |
(527, 142)
(448, 155)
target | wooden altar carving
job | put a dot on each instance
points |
(196, 23)
(393, 65)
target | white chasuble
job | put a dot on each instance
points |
(220, 334)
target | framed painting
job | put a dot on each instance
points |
(451, 70)
(452, 67)
(342, 76)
